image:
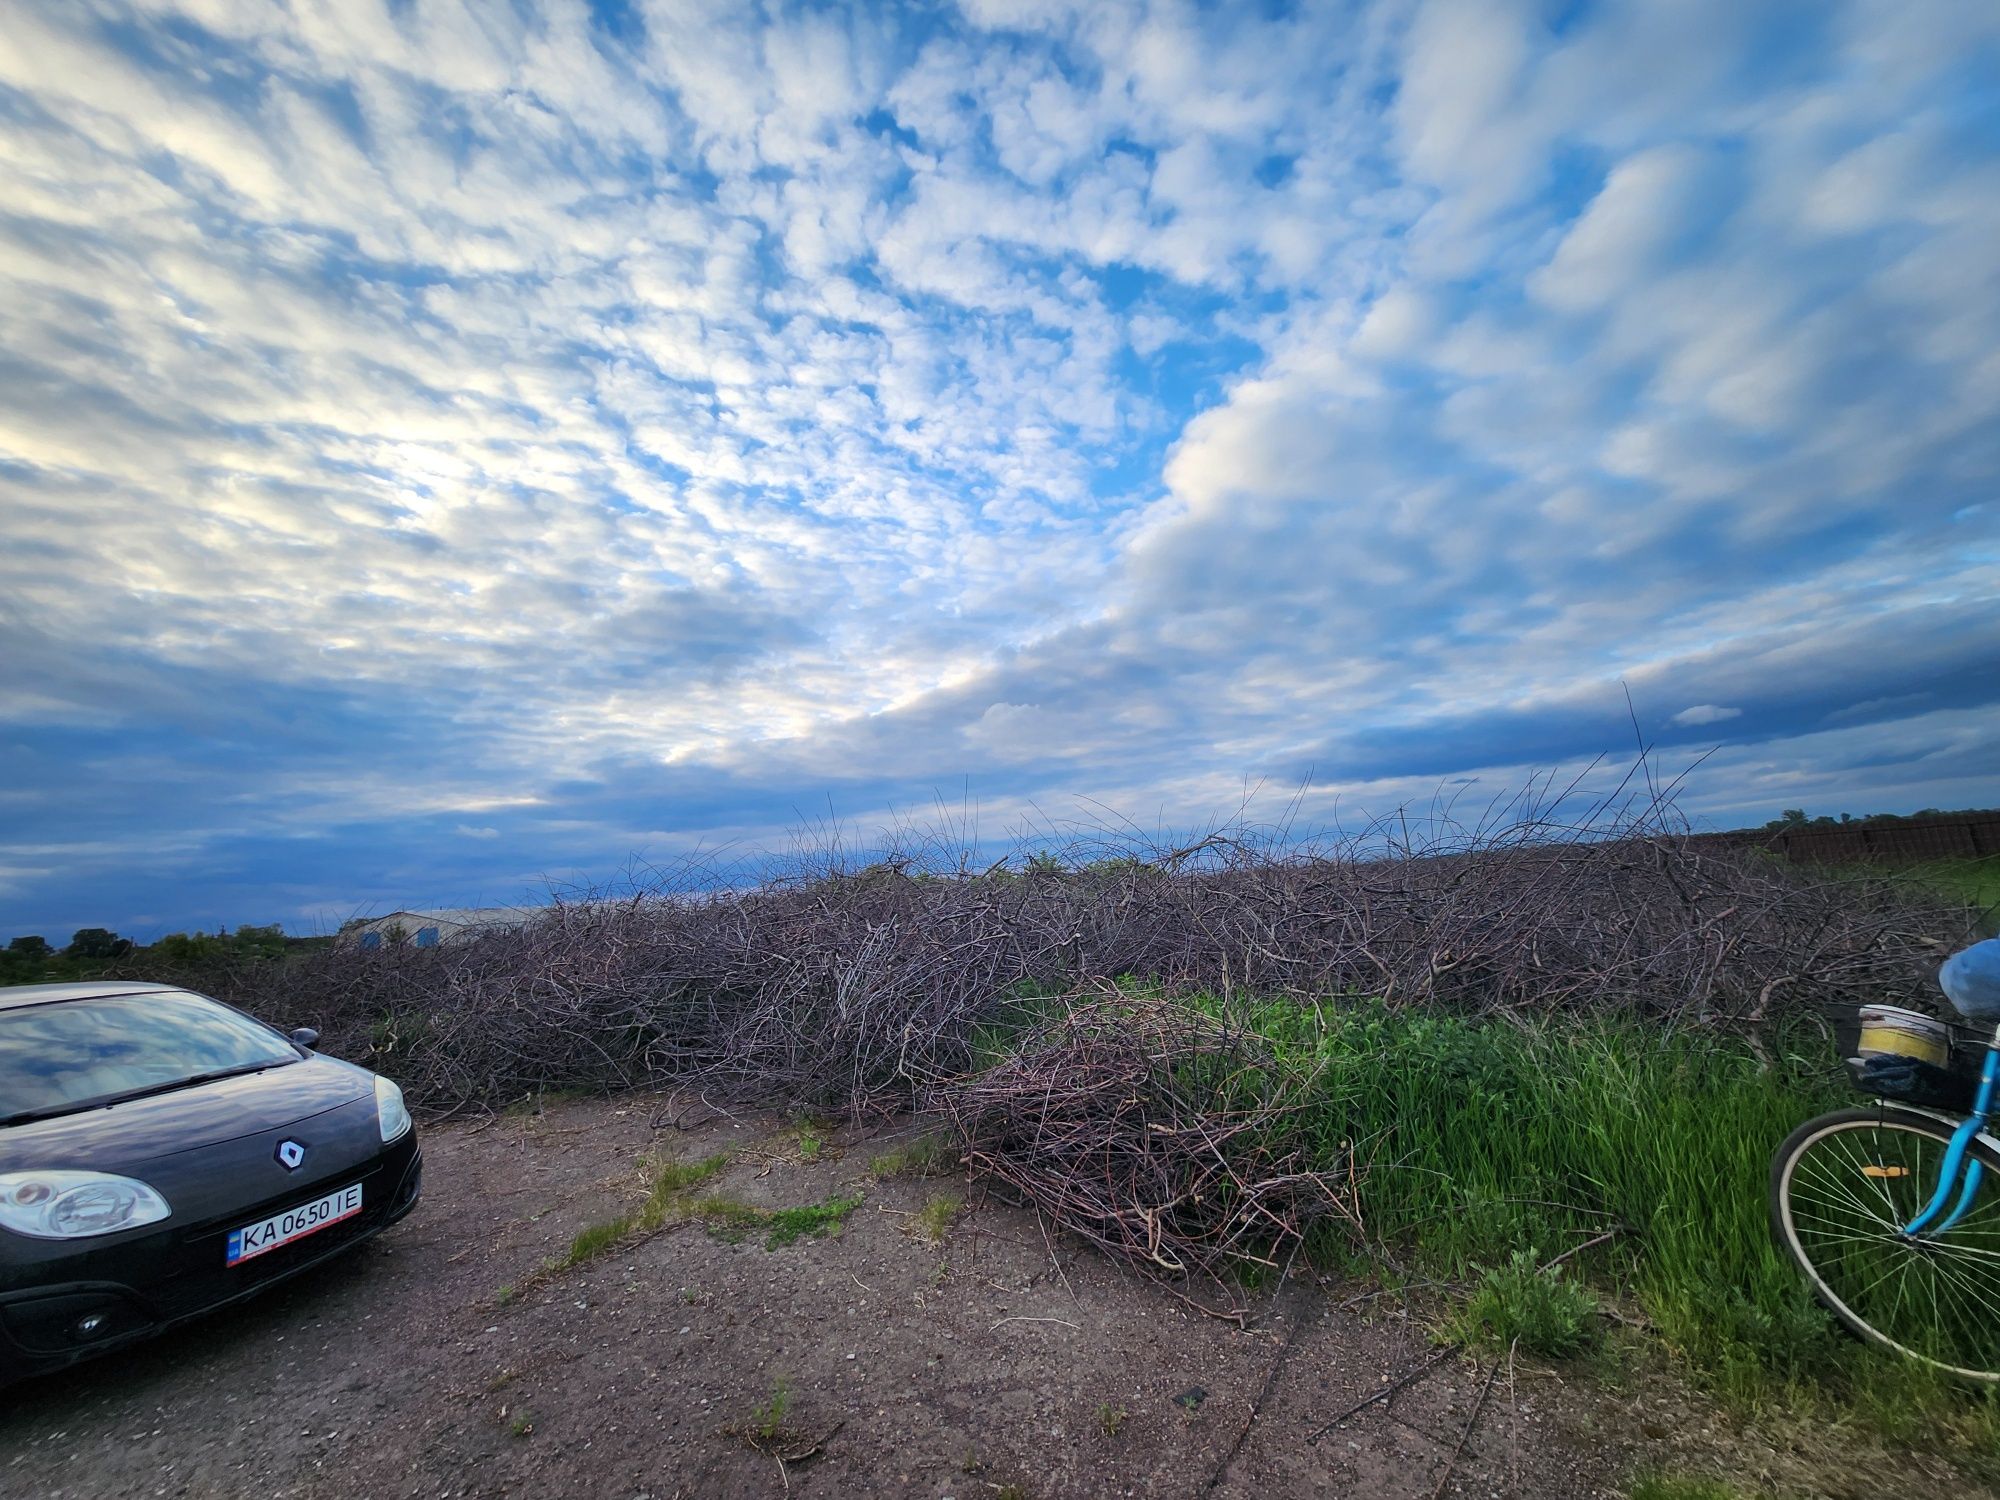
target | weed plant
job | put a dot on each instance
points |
(767, 1418)
(812, 1138)
(1530, 1305)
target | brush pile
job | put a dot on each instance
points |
(1154, 1130)
(854, 989)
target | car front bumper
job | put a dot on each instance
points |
(164, 1279)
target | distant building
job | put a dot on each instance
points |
(428, 929)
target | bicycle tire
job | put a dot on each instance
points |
(1819, 1172)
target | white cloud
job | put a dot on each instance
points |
(1706, 713)
(1399, 323)
(1649, 203)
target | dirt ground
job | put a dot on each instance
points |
(995, 1363)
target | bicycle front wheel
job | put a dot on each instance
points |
(1842, 1188)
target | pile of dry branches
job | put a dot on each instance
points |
(1153, 1130)
(854, 988)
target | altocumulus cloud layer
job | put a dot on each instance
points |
(444, 443)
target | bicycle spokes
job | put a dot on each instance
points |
(1851, 1192)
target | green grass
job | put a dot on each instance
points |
(817, 1220)
(728, 1219)
(670, 1180)
(927, 1155)
(933, 1221)
(1488, 1149)
(598, 1238)
(732, 1220)
(1658, 1484)
(668, 1184)
(1973, 881)
(671, 1197)
(1662, 1486)
(1485, 1142)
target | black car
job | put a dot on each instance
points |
(162, 1154)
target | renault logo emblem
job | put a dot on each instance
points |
(291, 1155)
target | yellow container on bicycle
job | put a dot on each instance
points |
(1891, 1031)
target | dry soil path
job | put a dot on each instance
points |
(995, 1363)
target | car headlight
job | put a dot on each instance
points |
(76, 1205)
(390, 1109)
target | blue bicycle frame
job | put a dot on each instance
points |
(1955, 1156)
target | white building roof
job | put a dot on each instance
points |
(455, 917)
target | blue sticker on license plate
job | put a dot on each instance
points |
(253, 1240)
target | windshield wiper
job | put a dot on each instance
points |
(22, 1117)
(105, 1101)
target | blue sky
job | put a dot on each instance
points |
(448, 445)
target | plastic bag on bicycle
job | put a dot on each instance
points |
(1911, 1080)
(1971, 981)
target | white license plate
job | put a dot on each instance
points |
(253, 1240)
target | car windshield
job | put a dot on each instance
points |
(68, 1053)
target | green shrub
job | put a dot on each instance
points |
(1521, 1304)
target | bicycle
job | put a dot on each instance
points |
(1881, 1209)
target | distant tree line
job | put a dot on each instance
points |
(1794, 818)
(94, 951)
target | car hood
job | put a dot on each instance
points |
(186, 1119)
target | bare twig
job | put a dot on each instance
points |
(1387, 1391)
(1257, 1404)
(1589, 1244)
(1465, 1432)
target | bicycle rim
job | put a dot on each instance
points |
(1844, 1194)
